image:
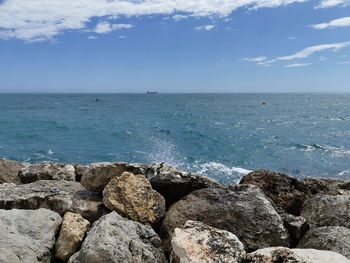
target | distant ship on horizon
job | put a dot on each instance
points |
(152, 92)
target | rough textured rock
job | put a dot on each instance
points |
(114, 239)
(286, 255)
(98, 175)
(132, 196)
(327, 210)
(297, 226)
(243, 210)
(333, 238)
(47, 171)
(27, 236)
(72, 232)
(199, 243)
(289, 192)
(9, 171)
(174, 184)
(79, 171)
(59, 196)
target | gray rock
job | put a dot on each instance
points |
(9, 171)
(289, 192)
(79, 171)
(72, 232)
(243, 210)
(114, 239)
(174, 184)
(333, 238)
(27, 236)
(287, 255)
(200, 243)
(59, 196)
(297, 226)
(47, 171)
(98, 175)
(132, 196)
(327, 210)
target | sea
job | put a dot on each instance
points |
(222, 136)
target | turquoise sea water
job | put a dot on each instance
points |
(219, 135)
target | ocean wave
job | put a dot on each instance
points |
(220, 171)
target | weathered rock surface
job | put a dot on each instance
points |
(27, 236)
(59, 196)
(289, 192)
(297, 226)
(327, 210)
(9, 171)
(243, 210)
(333, 238)
(98, 175)
(114, 239)
(200, 243)
(47, 171)
(173, 183)
(79, 171)
(286, 255)
(72, 232)
(132, 196)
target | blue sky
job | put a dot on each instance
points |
(174, 46)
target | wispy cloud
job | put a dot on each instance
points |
(296, 65)
(291, 38)
(40, 20)
(92, 37)
(105, 27)
(344, 62)
(306, 52)
(205, 27)
(179, 17)
(332, 3)
(341, 22)
(257, 59)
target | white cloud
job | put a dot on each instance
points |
(121, 36)
(332, 3)
(296, 65)
(205, 27)
(92, 37)
(179, 17)
(341, 22)
(105, 27)
(257, 59)
(38, 20)
(344, 62)
(291, 38)
(306, 52)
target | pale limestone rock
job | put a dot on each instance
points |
(9, 171)
(287, 255)
(73, 229)
(47, 171)
(27, 236)
(132, 195)
(200, 243)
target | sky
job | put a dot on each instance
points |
(174, 46)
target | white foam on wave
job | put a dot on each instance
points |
(50, 152)
(309, 148)
(220, 171)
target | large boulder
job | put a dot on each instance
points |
(243, 210)
(59, 196)
(174, 184)
(27, 236)
(72, 232)
(79, 171)
(9, 171)
(98, 175)
(333, 238)
(289, 192)
(47, 171)
(287, 255)
(114, 239)
(132, 196)
(327, 210)
(200, 243)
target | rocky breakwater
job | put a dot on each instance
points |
(121, 212)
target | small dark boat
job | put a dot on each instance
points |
(152, 92)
